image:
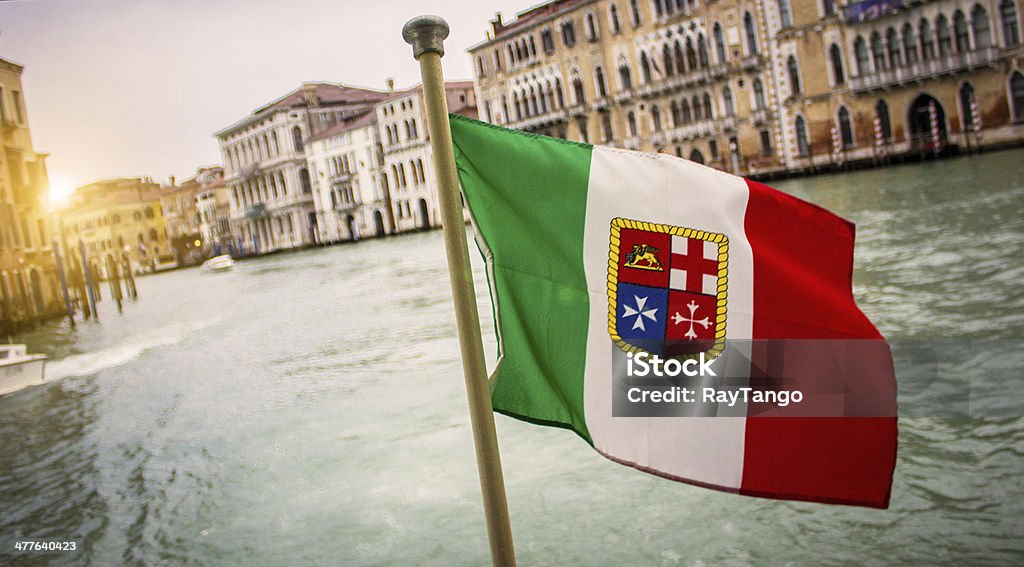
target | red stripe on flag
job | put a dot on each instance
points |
(803, 264)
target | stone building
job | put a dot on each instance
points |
(759, 87)
(29, 287)
(373, 175)
(265, 166)
(213, 211)
(117, 217)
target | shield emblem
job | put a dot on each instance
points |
(667, 289)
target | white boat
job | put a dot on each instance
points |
(218, 263)
(18, 369)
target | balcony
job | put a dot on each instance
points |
(247, 172)
(256, 211)
(695, 130)
(751, 62)
(548, 118)
(759, 117)
(728, 123)
(921, 70)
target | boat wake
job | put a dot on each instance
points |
(92, 362)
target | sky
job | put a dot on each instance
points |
(117, 88)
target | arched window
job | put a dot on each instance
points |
(785, 15)
(924, 29)
(719, 38)
(877, 52)
(696, 109)
(691, 55)
(645, 68)
(845, 127)
(297, 138)
(909, 44)
(803, 147)
(558, 93)
(943, 36)
(702, 50)
(656, 117)
(966, 96)
(631, 123)
(836, 58)
(892, 43)
(860, 51)
(685, 111)
(1011, 28)
(148, 212)
(794, 75)
(480, 72)
(730, 108)
(517, 105)
(304, 180)
(882, 112)
(152, 235)
(676, 117)
(981, 27)
(1017, 96)
(750, 32)
(635, 12)
(680, 65)
(666, 61)
(606, 126)
(613, 13)
(591, 27)
(602, 89)
(960, 34)
(759, 102)
(829, 7)
(577, 88)
(708, 109)
(625, 77)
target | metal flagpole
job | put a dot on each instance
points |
(426, 35)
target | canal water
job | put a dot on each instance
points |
(308, 408)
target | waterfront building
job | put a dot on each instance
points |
(29, 287)
(759, 87)
(213, 209)
(408, 172)
(265, 164)
(118, 217)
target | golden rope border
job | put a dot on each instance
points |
(617, 225)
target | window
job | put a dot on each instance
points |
(645, 68)
(719, 39)
(634, 12)
(960, 35)
(304, 180)
(860, 51)
(684, 111)
(3, 111)
(297, 138)
(1011, 29)
(606, 126)
(924, 29)
(829, 7)
(602, 89)
(981, 28)
(845, 128)
(803, 147)
(625, 77)
(877, 52)
(759, 102)
(558, 93)
(148, 212)
(656, 117)
(577, 87)
(666, 61)
(18, 110)
(613, 14)
(680, 65)
(497, 59)
(892, 43)
(547, 40)
(631, 124)
(713, 148)
(909, 44)
(884, 124)
(591, 27)
(794, 75)
(766, 143)
(966, 100)
(751, 33)
(708, 110)
(785, 16)
(1017, 96)
(836, 58)
(153, 235)
(696, 108)
(702, 50)
(568, 34)
(943, 36)
(730, 108)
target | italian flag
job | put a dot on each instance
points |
(595, 252)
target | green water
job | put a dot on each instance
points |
(308, 409)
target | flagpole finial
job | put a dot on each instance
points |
(425, 33)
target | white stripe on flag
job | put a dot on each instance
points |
(668, 190)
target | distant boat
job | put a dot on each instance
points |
(18, 369)
(218, 263)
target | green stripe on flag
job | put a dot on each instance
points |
(528, 197)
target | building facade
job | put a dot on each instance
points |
(116, 218)
(373, 175)
(265, 164)
(759, 87)
(29, 287)
(213, 210)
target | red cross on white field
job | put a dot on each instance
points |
(694, 265)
